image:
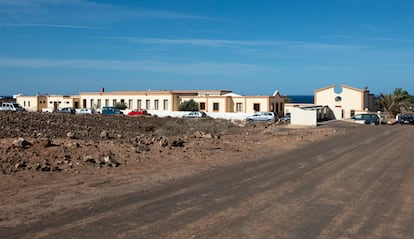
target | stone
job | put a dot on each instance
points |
(164, 142)
(178, 143)
(104, 134)
(89, 159)
(47, 143)
(111, 161)
(144, 147)
(71, 135)
(20, 165)
(21, 143)
(133, 149)
(207, 136)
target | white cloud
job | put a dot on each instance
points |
(202, 42)
(328, 68)
(241, 43)
(197, 68)
(64, 11)
(46, 25)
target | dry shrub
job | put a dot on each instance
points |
(216, 127)
(172, 128)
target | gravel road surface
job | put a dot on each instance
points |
(355, 185)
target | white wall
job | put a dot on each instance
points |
(216, 115)
(303, 117)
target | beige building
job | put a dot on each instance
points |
(50, 103)
(345, 101)
(230, 102)
(220, 101)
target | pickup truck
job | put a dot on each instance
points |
(109, 110)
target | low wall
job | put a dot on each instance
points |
(216, 115)
(303, 117)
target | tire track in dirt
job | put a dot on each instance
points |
(296, 206)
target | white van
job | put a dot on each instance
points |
(8, 106)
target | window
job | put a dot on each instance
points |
(256, 107)
(202, 106)
(165, 106)
(98, 105)
(156, 104)
(139, 104)
(147, 104)
(106, 102)
(113, 102)
(239, 107)
(215, 106)
(24, 103)
(130, 104)
(92, 103)
(28, 103)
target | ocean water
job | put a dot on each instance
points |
(307, 99)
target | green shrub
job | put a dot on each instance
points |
(188, 105)
(120, 106)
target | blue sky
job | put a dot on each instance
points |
(252, 47)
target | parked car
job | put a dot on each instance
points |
(406, 119)
(68, 110)
(9, 106)
(262, 116)
(139, 112)
(285, 118)
(195, 114)
(85, 111)
(366, 118)
(110, 110)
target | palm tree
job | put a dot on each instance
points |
(396, 102)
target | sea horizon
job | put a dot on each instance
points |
(306, 99)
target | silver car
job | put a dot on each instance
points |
(85, 111)
(195, 114)
(262, 116)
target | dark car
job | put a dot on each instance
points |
(285, 118)
(366, 118)
(68, 110)
(109, 110)
(406, 119)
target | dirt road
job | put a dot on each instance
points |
(356, 185)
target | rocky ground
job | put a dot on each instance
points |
(44, 142)
(51, 161)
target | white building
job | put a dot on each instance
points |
(345, 101)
